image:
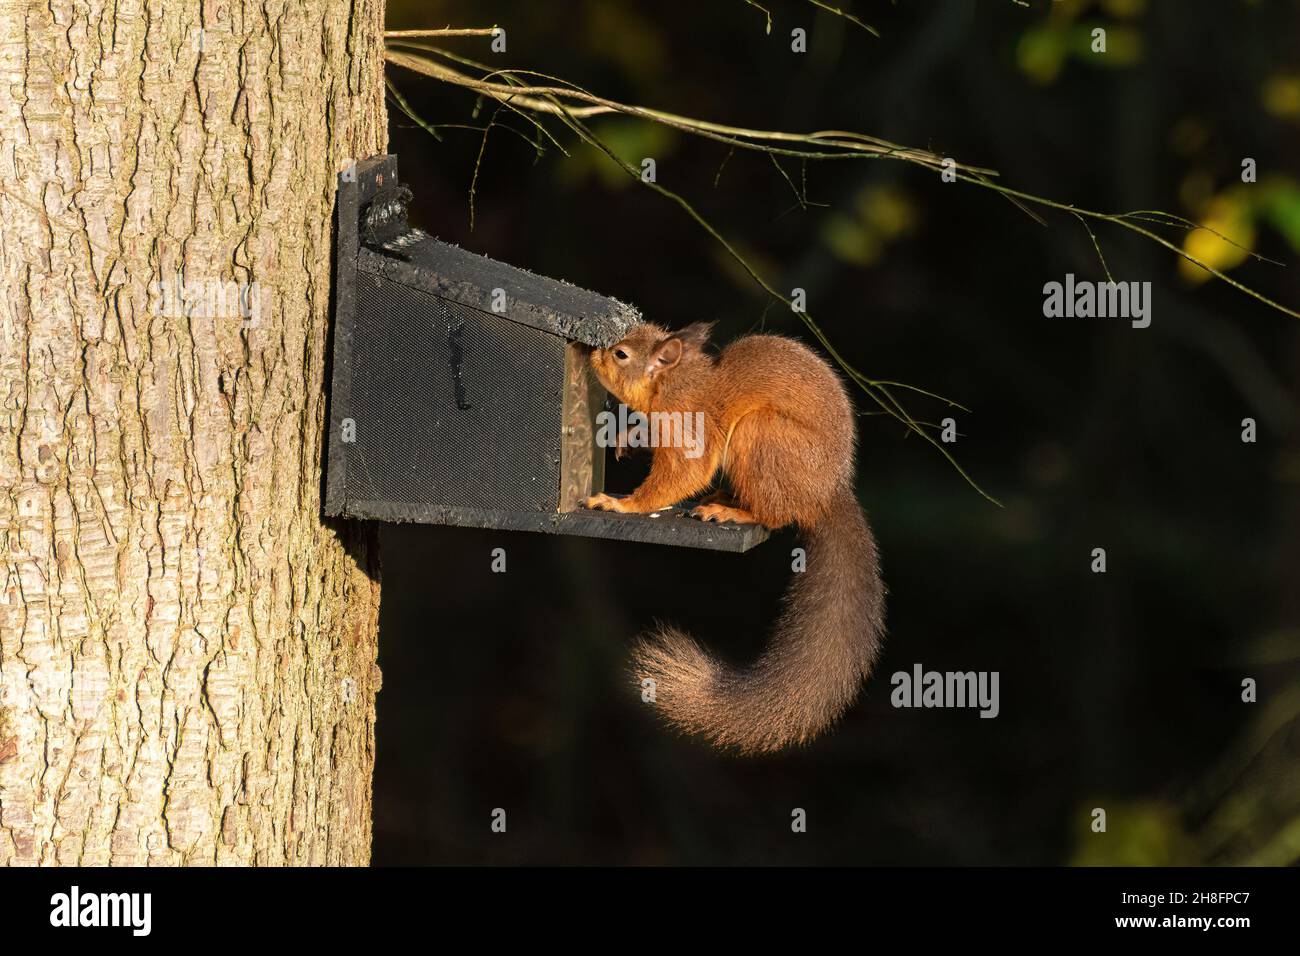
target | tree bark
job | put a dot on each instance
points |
(187, 654)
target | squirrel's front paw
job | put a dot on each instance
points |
(603, 502)
(721, 513)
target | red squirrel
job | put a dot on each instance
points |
(778, 423)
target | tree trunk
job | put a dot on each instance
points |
(187, 654)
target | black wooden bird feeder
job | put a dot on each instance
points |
(461, 393)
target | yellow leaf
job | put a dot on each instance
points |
(1230, 218)
(1138, 833)
(851, 241)
(1124, 8)
(887, 210)
(1281, 95)
(1040, 54)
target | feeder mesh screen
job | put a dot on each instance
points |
(453, 406)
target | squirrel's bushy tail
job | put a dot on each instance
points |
(823, 648)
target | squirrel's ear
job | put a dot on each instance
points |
(668, 354)
(697, 334)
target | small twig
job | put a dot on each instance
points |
(546, 99)
(448, 32)
(847, 16)
(766, 12)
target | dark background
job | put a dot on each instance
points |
(1119, 690)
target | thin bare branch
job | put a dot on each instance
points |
(447, 32)
(847, 16)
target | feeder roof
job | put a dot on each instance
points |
(416, 259)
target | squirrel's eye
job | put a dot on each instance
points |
(620, 355)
